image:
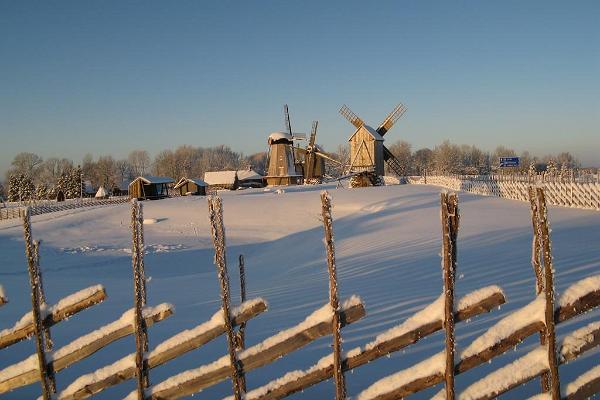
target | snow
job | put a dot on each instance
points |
(183, 181)
(220, 177)
(3, 294)
(279, 135)
(533, 312)
(532, 364)
(156, 179)
(248, 174)
(45, 310)
(580, 289)
(387, 245)
(430, 366)
(101, 193)
(589, 376)
(574, 341)
(126, 319)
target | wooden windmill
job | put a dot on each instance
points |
(313, 167)
(367, 151)
(283, 168)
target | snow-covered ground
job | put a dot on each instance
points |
(387, 249)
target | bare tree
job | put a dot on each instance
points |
(140, 161)
(402, 151)
(25, 163)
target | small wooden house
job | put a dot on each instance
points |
(149, 187)
(191, 187)
(250, 178)
(366, 151)
(221, 180)
(121, 189)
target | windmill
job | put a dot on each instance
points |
(313, 167)
(367, 151)
(283, 169)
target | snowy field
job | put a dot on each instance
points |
(387, 243)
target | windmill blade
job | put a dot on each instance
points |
(327, 157)
(288, 124)
(313, 135)
(392, 162)
(391, 119)
(350, 116)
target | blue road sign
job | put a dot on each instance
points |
(509, 162)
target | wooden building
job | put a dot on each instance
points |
(282, 168)
(191, 187)
(366, 151)
(249, 178)
(221, 180)
(149, 187)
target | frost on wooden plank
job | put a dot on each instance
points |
(432, 366)
(184, 338)
(590, 377)
(579, 290)
(26, 370)
(65, 303)
(527, 367)
(533, 312)
(578, 340)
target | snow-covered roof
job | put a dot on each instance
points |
(183, 181)
(101, 192)
(88, 187)
(370, 131)
(156, 179)
(220, 177)
(124, 185)
(279, 135)
(248, 174)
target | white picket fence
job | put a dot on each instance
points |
(566, 194)
(48, 207)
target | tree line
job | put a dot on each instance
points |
(32, 177)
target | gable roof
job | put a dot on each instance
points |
(220, 177)
(370, 131)
(248, 174)
(155, 179)
(184, 180)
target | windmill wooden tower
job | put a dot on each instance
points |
(367, 151)
(313, 166)
(283, 168)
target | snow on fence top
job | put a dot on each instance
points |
(575, 386)
(574, 342)
(579, 290)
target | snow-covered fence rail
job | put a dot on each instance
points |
(44, 208)
(567, 194)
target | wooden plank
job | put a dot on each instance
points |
(31, 375)
(382, 349)
(156, 358)
(250, 360)
(57, 315)
(586, 391)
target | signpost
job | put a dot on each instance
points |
(509, 162)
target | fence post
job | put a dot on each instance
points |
(338, 373)
(215, 213)
(46, 374)
(241, 336)
(450, 221)
(536, 250)
(544, 233)
(141, 329)
(36, 251)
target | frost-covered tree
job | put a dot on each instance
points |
(551, 169)
(140, 162)
(402, 151)
(532, 171)
(41, 191)
(13, 188)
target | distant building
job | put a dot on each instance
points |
(149, 187)
(121, 189)
(221, 180)
(191, 186)
(250, 178)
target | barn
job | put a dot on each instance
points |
(149, 187)
(250, 178)
(191, 187)
(366, 151)
(221, 180)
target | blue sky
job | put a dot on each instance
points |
(109, 77)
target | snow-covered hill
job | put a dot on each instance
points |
(387, 244)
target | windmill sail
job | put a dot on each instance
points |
(391, 119)
(350, 116)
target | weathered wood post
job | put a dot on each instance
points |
(141, 329)
(450, 221)
(338, 373)
(241, 334)
(46, 374)
(544, 233)
(38, 270)
(215, 213)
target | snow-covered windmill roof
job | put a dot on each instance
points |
(156, 179)
(248, 174)
(371, 132)
(279, 136)
(183, 180)
(220, 177)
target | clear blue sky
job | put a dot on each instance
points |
(107, 77)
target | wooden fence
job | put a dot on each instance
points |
(48, 207)
(537, 318)
(567, 194)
